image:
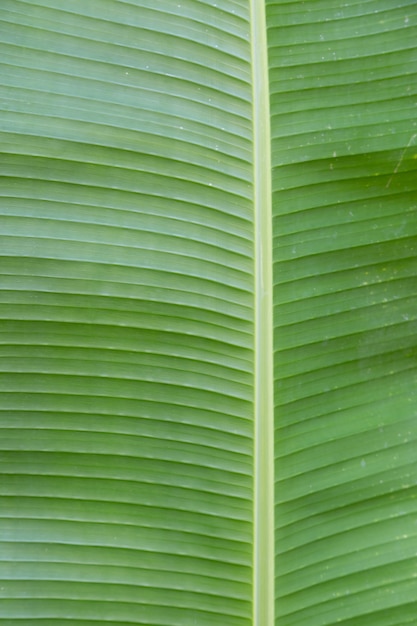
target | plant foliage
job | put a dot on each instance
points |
(208, 208)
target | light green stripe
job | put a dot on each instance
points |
(263, 588)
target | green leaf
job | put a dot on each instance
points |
(343, 153)
(207, 263)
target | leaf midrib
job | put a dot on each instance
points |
(263, 543)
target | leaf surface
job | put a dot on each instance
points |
(162, 164)
(343, 155)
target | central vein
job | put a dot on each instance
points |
(263, 587)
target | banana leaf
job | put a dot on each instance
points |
(208, 313)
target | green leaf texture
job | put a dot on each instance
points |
(344, 149)
(127, 313)
(137, 145)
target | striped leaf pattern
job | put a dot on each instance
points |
(135, 378)
(344, 130)
(126, 313)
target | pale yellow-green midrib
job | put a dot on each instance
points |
(263, 546)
